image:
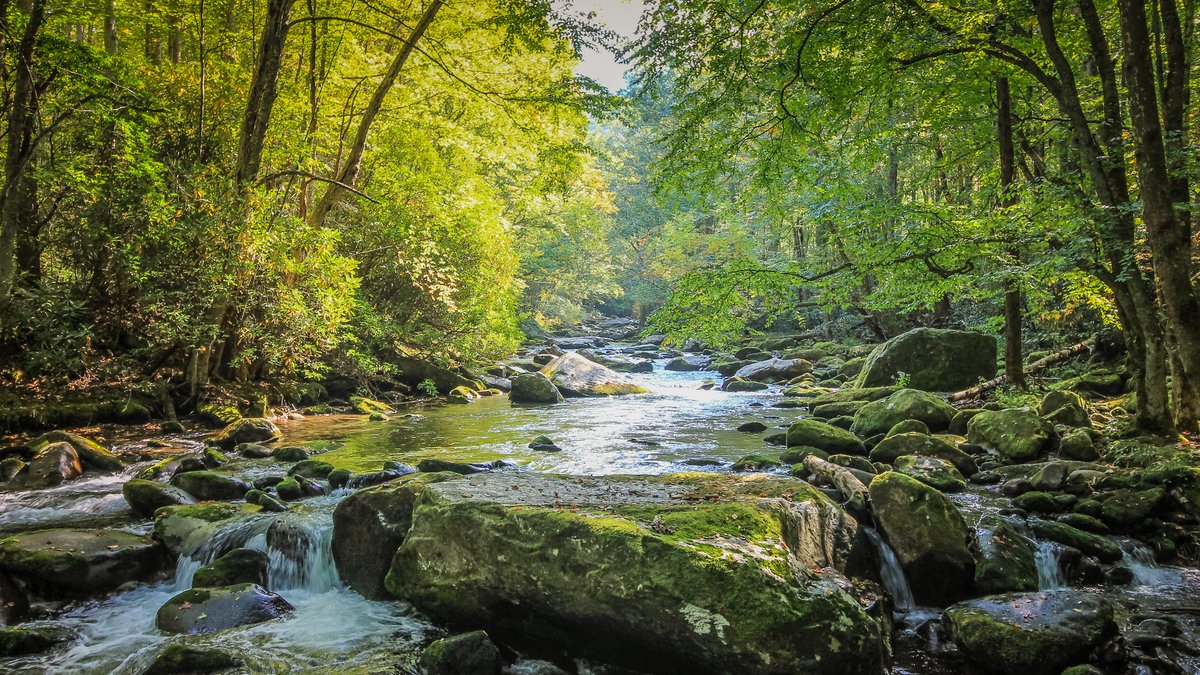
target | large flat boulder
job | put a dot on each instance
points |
(1016, 435)
(774, 370)
(677, 573)
(574, 375)
(67, 562)
(933, 359)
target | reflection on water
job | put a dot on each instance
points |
(646, 433)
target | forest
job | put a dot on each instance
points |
(845, 337)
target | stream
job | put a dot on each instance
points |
(676, 427)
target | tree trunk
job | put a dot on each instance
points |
(335, 191)
(1168, 235)
(22, 123)
(175, 39)
(110, 27)
(1014, 361)
(264, 88)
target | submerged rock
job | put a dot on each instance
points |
(208, 610)
(933, 359)
(67, 562)
(467, 654)
(1031, 633)
(576, 376)
(181, 658)
(534, 388)
(683, 572)
(147, 496)
(878, 417)
(928, 535)
(21, 641)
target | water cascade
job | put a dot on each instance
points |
(891, 574)
(1050, 577)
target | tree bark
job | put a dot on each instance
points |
(1169, 236)
(110, 27)
(336, 191)
(1014, 361)
(264, 89)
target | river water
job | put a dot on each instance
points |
(676, 427)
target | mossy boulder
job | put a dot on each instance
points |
(1016, 434)
(677, 573)
(816, 434)
(290, 453)
(1099, 547)
(369, 406)
(829, 411)
(218, 413)
(54, 464)
(1078, 444)
(266, 501)
(247, 430)
(238, 566)
(908, 427)
(470, 653)
(756, 463)
(852, 394)
(1033, 633)
(932, 471)
(928, 535)
(209, 485)
(182, 529)
(774, 370)
(181, 658)
(200, 611)
(368, 527)
(1129, 508)
(534, 388)
(311, 468)
(91, 454)
(878, 417)
(933, 359)
(23, 640)
(574, 375)
(1037, 501)
(1065, 407)
(741, 385)
(147, 496)
(69, 562)
(922, 445)
(958, 423)
(1005, 559)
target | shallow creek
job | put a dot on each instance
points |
(677, 427)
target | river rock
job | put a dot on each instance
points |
(201, 611)
(812, 433)
(774, 370)
(182, 529)
(209, 485)
(932, 471)
(922, 445)
(689, 363)
(576, 376)
(1005, 559)
(311, 468)
(66, 562)
(928, 535)
(741, 384)
(147, 496)
(368, 527)
(878, 417)
(54, 464)
(92, 454)
(467, 654)
(247, 430)
(685, 572)
(934, 360)
(534, 388)
(254, 450)
(238, 566)
(1016, 434)
(1032, 633)
(14, 601)
(1099, 547)
(22, 640)
(182, 658)
(1065, 407)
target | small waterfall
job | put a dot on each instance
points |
(1146, 571)
(301, 554)
(892, 574)
(1050, 577)
(235, 535)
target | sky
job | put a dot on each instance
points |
(620, 16)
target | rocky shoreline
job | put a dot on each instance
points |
(805, 557)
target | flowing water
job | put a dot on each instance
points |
(676, 427)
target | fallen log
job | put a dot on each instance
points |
(1032, 369)
(847, 484)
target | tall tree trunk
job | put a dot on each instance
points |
(1168, 235)
(22, 122)
(264, 89)
(1014, 359)
(175, 39)
(335, 191)
(110, 27)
